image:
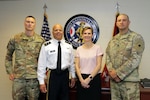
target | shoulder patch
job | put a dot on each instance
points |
(139, 44)
(47, 43)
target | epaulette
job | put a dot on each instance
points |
(67, 42)
(47, 43)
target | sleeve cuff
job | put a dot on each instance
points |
(120, 76)
(73, 75)
(41, 82)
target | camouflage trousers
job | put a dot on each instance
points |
(125, 90)
(25, 89)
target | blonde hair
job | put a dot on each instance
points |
(86, 28)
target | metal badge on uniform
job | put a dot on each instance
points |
(52, 51)
(47, 43)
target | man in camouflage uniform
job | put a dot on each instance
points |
(25, 47)
(123, 56)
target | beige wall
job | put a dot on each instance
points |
(12, 14)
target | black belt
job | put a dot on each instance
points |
(60, 72)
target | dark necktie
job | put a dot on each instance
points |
(59, 58)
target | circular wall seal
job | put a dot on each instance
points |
(73, 26)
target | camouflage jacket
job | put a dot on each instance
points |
(25, 51)
(124, 53)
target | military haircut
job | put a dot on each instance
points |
(124, 15)
(30, 17)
